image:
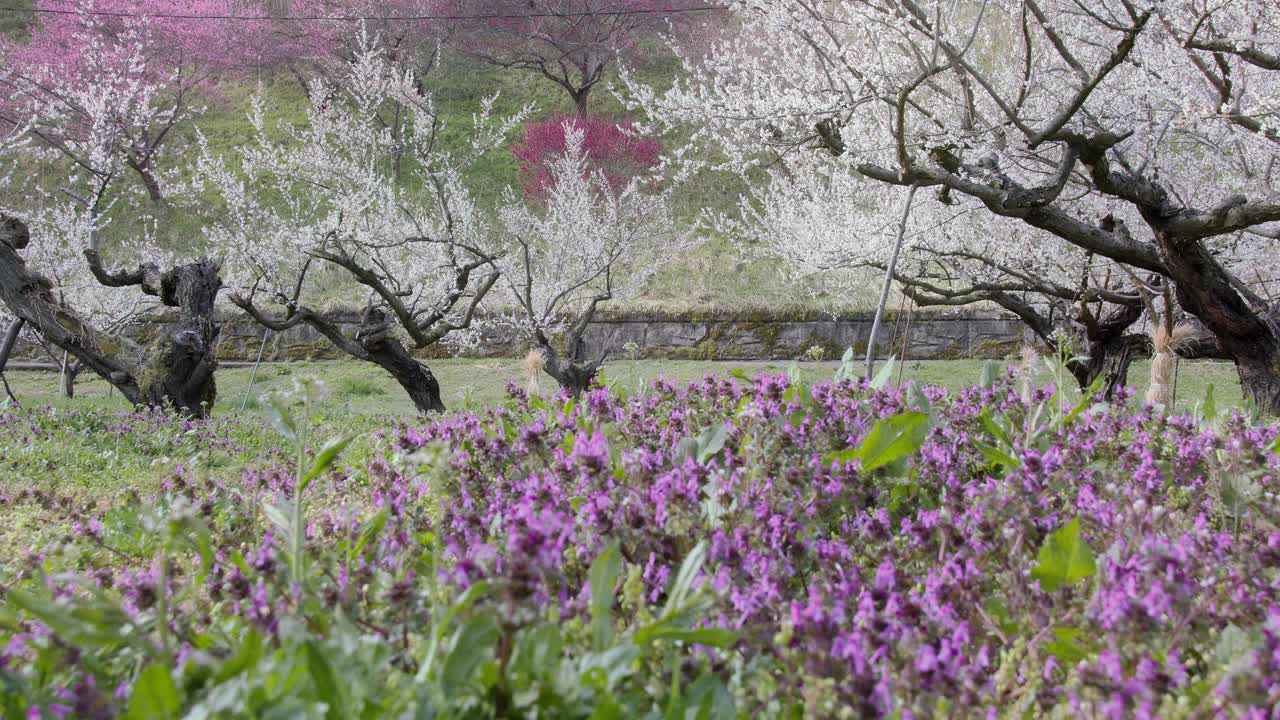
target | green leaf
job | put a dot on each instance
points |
(990, 371)
(372, 528)
(890, 439)
(683, 583)
(882, 378)
(99, 625)
(997, 609)
(999, 433)
(279, 518)
(711, 442)
(1069, 645)
(604, 575)
(996, 456)
(280, 417)
(473, 644)
(606, 669)
(201, 540)
(1209, 407)
(327, 455)
(916, 398)
(537, 651)
(711, 637)
(846, 370)
(155, 697)
(1234, 645)
(1064, 559)
(708, 699)
(248, 655)
(328, 688)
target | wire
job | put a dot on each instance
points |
(359, 18)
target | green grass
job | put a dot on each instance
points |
(360, 390)
(83, 458)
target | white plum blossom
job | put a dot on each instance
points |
(582, 244)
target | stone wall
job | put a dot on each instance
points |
(710, 338)
(721, 338)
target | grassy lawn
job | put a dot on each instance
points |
(90, 452)
(359, 390)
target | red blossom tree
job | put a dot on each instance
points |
(611, 148)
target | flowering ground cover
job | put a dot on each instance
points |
(733, 547)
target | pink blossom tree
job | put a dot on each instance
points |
(156, 55)
(610, 148)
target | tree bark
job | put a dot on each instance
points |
(29, 296)
(574, 374)
(180, 364)
(580, 98)
(9, 341)
(1109, 347)
(1250, 336)
(387, 352)
(149, 180)
(1110, 358)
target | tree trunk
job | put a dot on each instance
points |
(149, 180)
(580, 97)
(1260, 381)
(69, 380)
(574, 374)
(1110, 358)
(1249, 336)
(175, 371)
(390, 354)
(179, 366)
(1109, 347)
(29, 296)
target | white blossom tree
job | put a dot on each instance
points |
(309, 209)
(581, 244)
(1142, 132)
(821, 217)
(85, 125)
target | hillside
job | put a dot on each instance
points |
(720, 274)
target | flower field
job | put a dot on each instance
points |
(733, 547)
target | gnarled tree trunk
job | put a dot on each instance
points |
(387, 352)
(176, 370)
(1249, 335)
(574, 373)
(179, 365)
(1110, 349)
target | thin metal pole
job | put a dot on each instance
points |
(253, 375)
(62, 377)
(888, 281)
(906, 341)
(897, 321)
